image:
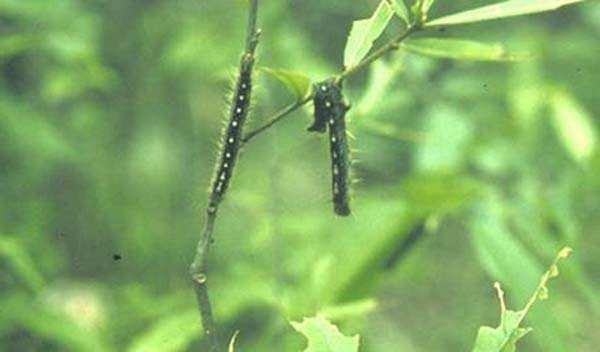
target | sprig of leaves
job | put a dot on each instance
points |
(505, 337)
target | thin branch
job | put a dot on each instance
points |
(252, 33)
(276, 118)
(199, 266)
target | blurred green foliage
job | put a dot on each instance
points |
(109, 116)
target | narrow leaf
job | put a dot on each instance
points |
(459, 49)
(325, 337)
(574, 126)
(400, 10)
(365, 32)
(297, 83)
(501, 10)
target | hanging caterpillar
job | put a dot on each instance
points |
(232, 135)
(330, 110)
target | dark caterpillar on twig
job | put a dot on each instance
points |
(330, 110)
(232, 135)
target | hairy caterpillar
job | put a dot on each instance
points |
(330, 110)
(232, 135)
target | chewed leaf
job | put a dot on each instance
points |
(501, 10)
(505, 337)
(459, 49)
(325, 337)
(296, 82)
(365, 32)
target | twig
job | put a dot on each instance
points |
(390, 46)
(276, 118)
(199, 267)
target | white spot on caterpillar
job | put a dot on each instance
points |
(242, 97)
(327, 103)
(231, 140)
(334, 155)
(335, 170)
(225, 166)
(223, 175)
(324, 88)
(333, 140)
(238, 110)
(331, 122)
(335, 188)
(244, 86)
(234, 123)
(219, 186)
(228, 155)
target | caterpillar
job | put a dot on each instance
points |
(232, 135)
(330, 111)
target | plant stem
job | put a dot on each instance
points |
(199, 266)
(376, 55)
(276, 118)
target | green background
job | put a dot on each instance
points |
(110, 114)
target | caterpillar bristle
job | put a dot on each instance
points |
(351, 135)
(232, 133)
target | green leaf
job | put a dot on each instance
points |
(501, 10)
(297, 83)
(171, 334)
(574, 126)
(23, 266)
(365, 32)
(459, 49)
(325, 337)
(504, 337)
(400, 9)
(351, 309)
(420, 10)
